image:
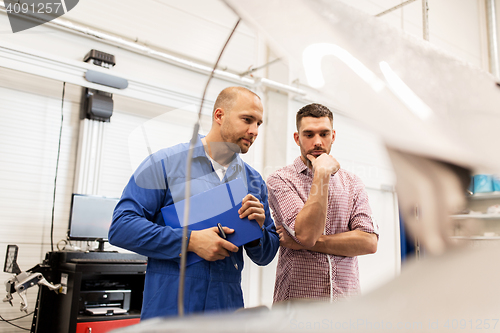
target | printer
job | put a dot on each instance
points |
(104, 302)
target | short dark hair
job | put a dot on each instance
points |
(313, 110)
(228, 97)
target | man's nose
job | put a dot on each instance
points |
(317, 141)
(253, 129)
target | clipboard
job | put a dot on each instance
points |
(219, 204)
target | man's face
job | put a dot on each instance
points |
(315, 137)
(240, 125)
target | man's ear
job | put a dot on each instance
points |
(218, 115)
(334, 135)
(296, 138)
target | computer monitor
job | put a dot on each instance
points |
(90, 218)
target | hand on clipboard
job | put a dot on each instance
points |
(253, 209)
(211, 244)
(220, 204)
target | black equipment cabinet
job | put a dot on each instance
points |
(89, 280)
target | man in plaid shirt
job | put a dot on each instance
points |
(322, 215)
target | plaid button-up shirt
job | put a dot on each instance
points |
(309, 274)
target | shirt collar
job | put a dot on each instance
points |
(300, 166)
(236, 164)
(199, 150)
(219, 169)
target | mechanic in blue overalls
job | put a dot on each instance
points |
(212, 284)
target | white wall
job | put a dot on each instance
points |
(31, 117)
(456, 26)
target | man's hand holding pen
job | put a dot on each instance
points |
(223, 235)
(210, 245)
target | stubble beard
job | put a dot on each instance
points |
(233, 143)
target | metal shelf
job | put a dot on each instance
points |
(476, 216)
(476, 237)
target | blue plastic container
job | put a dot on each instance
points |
(496, 182)
(483, 183)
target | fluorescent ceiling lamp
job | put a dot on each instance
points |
(314, 53)
(404, 93)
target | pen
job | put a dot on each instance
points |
(223, 235)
